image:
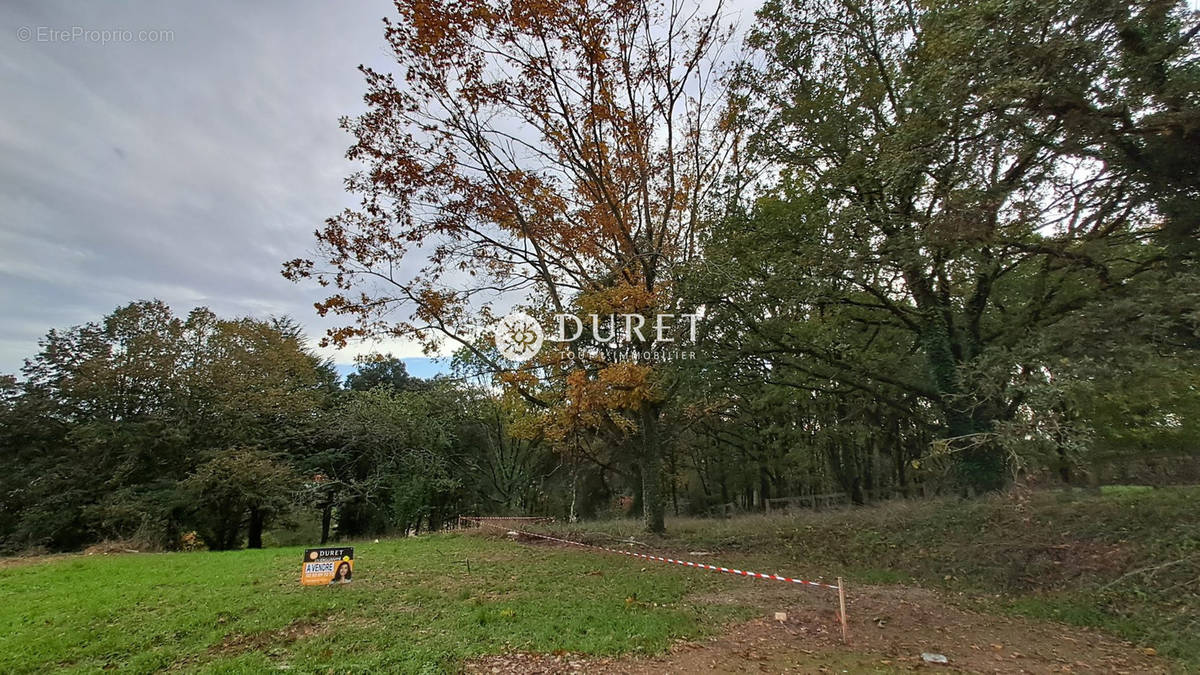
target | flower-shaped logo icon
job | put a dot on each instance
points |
(518, 336)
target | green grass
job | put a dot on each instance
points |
(413, 607)
(1126, 561)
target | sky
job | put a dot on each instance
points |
(179, 151)
(185, 159)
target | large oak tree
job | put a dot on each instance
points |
(566, 154)
(957, 180)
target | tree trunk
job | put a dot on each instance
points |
(326, 520)
(857, 497)
(983, 467)
(254, 537)
(224, 535)
(674, 487)
(653, 506)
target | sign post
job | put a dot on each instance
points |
(327, 566)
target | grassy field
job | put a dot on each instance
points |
(1127, 562)
(413, 607)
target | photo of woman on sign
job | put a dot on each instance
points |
(342, 575)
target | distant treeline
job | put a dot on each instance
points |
(146, 426)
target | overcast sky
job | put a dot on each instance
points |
(185, 164)
(185, 159)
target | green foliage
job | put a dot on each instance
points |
(386, 464)
(112, 416)
(145, 426)
(964, 196)
(235, 489)
(383, 371)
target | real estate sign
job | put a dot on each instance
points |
(327, 566)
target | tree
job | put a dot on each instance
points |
(503, 448)
(383, 371)
(385, 466)
(1121, 80)
(113, 415)
(237, 491)
(917, 208)
(569, 152)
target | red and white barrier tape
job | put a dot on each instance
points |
(684, 563)
(525, 519)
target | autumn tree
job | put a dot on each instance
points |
(567, 154)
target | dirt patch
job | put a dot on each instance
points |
(38, 557)
(1050, 566)
(237, 643)
(890, 628)
(240, 643)
(33, 559)
(113, 547)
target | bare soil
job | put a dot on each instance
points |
(890, 628)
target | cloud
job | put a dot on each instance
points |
(185, 169)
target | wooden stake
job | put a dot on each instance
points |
(842, 606)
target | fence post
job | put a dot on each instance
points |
(842, 607)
